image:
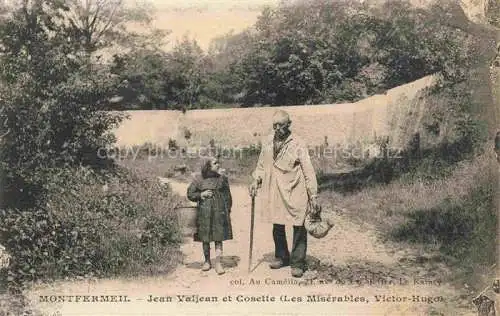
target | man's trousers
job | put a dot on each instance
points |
(297, 258)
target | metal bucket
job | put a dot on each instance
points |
(187, 219)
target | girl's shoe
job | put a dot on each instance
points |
(206, 266)
(218, 266)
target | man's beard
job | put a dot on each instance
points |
(282, 136)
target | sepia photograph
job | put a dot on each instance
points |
(249, 157)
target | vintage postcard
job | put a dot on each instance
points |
(249, 157)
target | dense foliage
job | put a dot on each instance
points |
(94, 226)
(52, 97)
(54, 219)
(305, 52)
(163, 80)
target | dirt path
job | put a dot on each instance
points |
(349, 252)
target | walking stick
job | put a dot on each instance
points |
(252, 216)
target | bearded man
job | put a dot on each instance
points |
(287, 181)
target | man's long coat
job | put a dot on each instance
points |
(287, 181)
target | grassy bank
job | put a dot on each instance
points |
(450, 220)
(114, 223)
(94, 225)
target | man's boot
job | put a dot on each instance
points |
(297, 272)
(298, 255)
(281, 253)
(278, 263)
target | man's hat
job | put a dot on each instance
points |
(316, 225)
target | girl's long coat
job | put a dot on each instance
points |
(287, 181)
(213, 221)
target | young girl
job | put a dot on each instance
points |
(213, 223)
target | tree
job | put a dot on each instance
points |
(102, 23)
(144, 72)
(225, 81)
(52, 101)
(326, 51)
(166, 80)
(484, 39)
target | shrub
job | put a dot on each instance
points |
(94, 224)
(52, 97)
(450, 132)
(17, 304)
(65, 211)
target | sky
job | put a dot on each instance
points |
(205, 19)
